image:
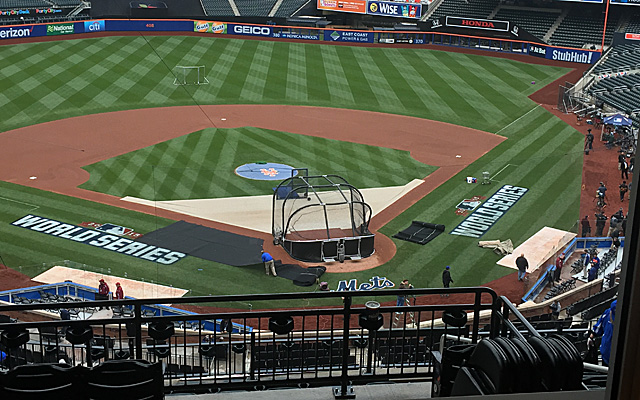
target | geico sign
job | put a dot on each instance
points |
(252, 30)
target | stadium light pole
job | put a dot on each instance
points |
(604, 28)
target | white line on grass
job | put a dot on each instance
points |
(503, 168)
(522, 116)
(33, 206)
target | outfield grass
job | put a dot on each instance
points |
(54, 80)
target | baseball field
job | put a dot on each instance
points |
(104, 80)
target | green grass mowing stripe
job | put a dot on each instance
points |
(443, 86)
(486, 98)
(297, 90)
(257, 77)
(336, 76)
(234, 81)
(276, 85)
(317, 85)
(373, 71)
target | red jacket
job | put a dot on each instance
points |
(103, 288)
(119, 292)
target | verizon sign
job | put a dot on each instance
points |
(472, 23)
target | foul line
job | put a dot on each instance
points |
(522, 116)
(33, 206)
(503, 168)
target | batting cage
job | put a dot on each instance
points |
(321, 218)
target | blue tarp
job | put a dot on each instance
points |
(618, 120)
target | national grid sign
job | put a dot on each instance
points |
(99, 239)
(483, 218)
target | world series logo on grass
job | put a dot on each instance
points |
(99, 239)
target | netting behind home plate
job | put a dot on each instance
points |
(319, 208)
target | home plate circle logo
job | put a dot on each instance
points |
(265, 171)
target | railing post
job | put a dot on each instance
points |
(345, 391)
(476, 317)
(137, 314)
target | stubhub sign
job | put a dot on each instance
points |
(251, 30)
(94, 26)
(571, 55)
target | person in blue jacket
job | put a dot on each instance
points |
(604, 328)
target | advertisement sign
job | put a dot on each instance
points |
(626, 2)
(352, 6)
(632, 36)
(249, 30)
(537, 50)
(486, 24)
(17, 33)
(209, 27)
(59, 29)
(392, 9)
(136, 25)
(96, 238)
(297, 35)
(94, 26)
(348, 36)
(572, 55)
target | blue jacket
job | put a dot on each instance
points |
(604, 328)
(266, 257)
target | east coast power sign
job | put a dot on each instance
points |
(483, 218)
(99, 239)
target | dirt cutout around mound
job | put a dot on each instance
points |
(50, 156)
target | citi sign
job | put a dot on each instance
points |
(94, 26)
(251, 30)
(15, 33)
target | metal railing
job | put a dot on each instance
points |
(341, 346)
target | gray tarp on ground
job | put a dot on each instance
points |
(498, 247)
(207, 243)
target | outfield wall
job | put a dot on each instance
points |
(275, 32)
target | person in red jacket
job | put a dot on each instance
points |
(119, 292)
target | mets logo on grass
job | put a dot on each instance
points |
(374, 283)
(99, 239)
(483, 218)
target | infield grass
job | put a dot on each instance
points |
(55, 80)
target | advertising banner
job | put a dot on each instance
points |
(486, 24)
(393, 9)
(572, 55)
(626, 2)
(249, 30)
(60, 29)
(94, 26)
(209, 27)
(348, 36)
(124, 25)
(297, 35)
(632, 36)
(537, 50)
(352, 6)
(23, 31)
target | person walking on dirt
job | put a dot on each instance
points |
(624, 170)
(624, 188)
(588, 142)
(523, 266)
(586, 226)
(269, 265)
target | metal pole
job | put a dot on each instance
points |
(345, 391)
